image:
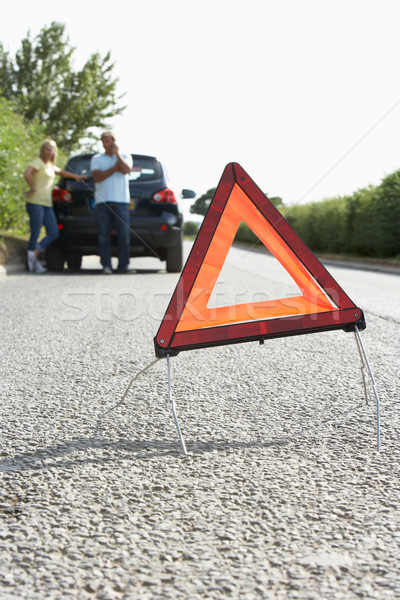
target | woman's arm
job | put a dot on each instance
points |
(28, 174)
(69, 175)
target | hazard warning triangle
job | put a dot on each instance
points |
(190, 323)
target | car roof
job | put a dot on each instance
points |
(90, 154)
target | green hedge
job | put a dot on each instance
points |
(322, 225)
(190, 228)
(366, 223)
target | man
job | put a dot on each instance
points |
(110, 174)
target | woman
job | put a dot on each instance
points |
(40, 177)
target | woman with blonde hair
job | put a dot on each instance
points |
(39, 176)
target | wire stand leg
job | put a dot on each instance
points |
(363, 365)
(173, 406)
(378, 419)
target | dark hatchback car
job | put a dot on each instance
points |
(156, 223)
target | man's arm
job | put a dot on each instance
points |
(123, 166)
(98, 175)
(120, 166)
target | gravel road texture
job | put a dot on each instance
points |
(282, 495)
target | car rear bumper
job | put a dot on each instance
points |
(80, 234)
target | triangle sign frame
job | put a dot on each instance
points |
(188, 322)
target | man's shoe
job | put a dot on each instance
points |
(124, 270)
(107, 271)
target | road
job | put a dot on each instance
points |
(282, 493)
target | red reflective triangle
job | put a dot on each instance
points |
(188, 322)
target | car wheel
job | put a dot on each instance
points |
(175, 259)
(55, 259)
(74, 261)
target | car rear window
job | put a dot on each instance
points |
(144, 168)
(79, 166)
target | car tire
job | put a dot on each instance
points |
(74, 261)
(55, 259)
(175, 258)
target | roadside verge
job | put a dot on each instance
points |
(12, 253)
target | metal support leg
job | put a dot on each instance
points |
(173, 406)
(363, 365)
(362, 351)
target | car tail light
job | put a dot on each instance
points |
(61, 226)
(165, 195)
(60, 195)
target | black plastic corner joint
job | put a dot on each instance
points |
(361, 324)
(163, 352)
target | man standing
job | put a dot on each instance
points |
(110, 174)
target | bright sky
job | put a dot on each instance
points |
(304, 94)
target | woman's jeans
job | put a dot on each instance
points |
(41, 215)
(115, 214)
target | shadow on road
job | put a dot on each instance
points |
(54, 456)
(17, 271)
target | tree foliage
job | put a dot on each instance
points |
(43, 86)
(276, 201)
(201, 204)
(190, 228)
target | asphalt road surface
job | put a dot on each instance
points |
(282, 495)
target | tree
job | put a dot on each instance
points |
(276, 201)
(6, 72)
(190, 228)
(200, 206)
(202, 203)
(43, 87)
